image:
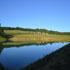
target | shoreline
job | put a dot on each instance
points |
(37, 38)
(40, 38)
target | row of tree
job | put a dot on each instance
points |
(36, 30)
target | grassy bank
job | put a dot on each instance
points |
(41, 38)
(2, 39)
(29, 36)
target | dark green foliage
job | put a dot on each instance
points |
(1, 31)
(37, 30)
(12, 28)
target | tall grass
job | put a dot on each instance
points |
(36, 37)
(42, 38)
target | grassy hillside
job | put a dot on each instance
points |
(34, 37)
(41, 38)
(17, 32)
(31, 36)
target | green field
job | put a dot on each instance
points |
(29, 36)
(17, 32)
(42, 38)
(2, 39)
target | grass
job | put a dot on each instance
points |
(2, 39)
(41, 38)
(18, 32)
(29, 36)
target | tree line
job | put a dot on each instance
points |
(36, 30)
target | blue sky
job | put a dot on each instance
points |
(47, 14)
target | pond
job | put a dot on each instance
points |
(15, 57)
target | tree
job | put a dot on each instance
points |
(1, 30)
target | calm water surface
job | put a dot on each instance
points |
(18, 57)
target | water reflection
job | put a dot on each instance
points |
(22, 44)
(17, 55)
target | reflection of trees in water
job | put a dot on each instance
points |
(18, 44)
(6, 36)
(2, 45)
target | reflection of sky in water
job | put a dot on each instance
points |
(19, 57)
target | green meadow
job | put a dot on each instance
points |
(30, 36)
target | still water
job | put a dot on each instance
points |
(15, 58)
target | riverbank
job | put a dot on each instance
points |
(2, 39)
(29, 36)
(41, 38)
(38, 38)
(59, 60)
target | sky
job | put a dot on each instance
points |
(44, 14)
